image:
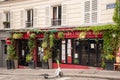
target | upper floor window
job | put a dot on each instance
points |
(6, 23)
(91, 11)
(29, 18)
(56, 20)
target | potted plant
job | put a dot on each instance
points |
(16, 62)
(109, 61)
(30, 61)
(6, 22)
(47, 45)
(28, 58)
(10, 56)
(31, 45)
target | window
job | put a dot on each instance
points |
(29, 19)
(6, 23)
(90, 11)
(56, 16)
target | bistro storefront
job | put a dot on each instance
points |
(72, 50)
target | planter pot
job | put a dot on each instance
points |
(16, 64)
(109, 65)
(10, 64)
(50, 63)
(44, 65)
(31, 65)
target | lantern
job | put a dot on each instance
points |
(8, 42)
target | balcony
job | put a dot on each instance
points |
(6, 24)
(56, 22)
(29, 23)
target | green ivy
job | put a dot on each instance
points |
(31, 42)
(116, 17)
(11, 51)
(98, 28)
(47, 44)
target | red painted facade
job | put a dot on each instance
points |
(67, 34)
(70, 34)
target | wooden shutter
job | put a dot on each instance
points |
(35, 15)
(64, 12)
(1, 20)
(90, 11)
(47, 18)
(11, 19)
(23, 15)
(94, 11)
(87, 11)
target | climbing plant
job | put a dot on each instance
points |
(116, 17)
(47, 44)
(11, 51)
(31, 46)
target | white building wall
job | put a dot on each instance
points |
(73, 14)
(106, 14)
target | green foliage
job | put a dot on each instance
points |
(82, 35)
(110, 44)
(98, 28)
(109, 57)
(31, 42)
(76, 61)
(45, 58)
(32, 36)
(103, 64)
(60, 35)
(44, 44)
(116, 17)
(17, 36)
(28, 58)
(11, 51)
(47, 44)
(51, 38)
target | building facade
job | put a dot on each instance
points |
(18, 15)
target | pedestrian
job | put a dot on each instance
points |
(118, 56)
(41, 58)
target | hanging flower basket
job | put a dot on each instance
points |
(33, 35)
(60, 35)
(17, 35)
(82, 35)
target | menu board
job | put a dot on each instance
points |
(63, 51)
(69, 48)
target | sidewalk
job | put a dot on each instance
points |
(94, 73)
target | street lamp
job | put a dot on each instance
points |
(114, 35)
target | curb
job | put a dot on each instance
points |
(93, 76)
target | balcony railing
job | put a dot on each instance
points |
(56, 22)
(6, 24)
(29, 23)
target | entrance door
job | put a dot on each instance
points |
(3, 54)
(88, 52)
(23, 51)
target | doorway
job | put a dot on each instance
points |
(88, 52)
(3, 54)
(23, 51)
